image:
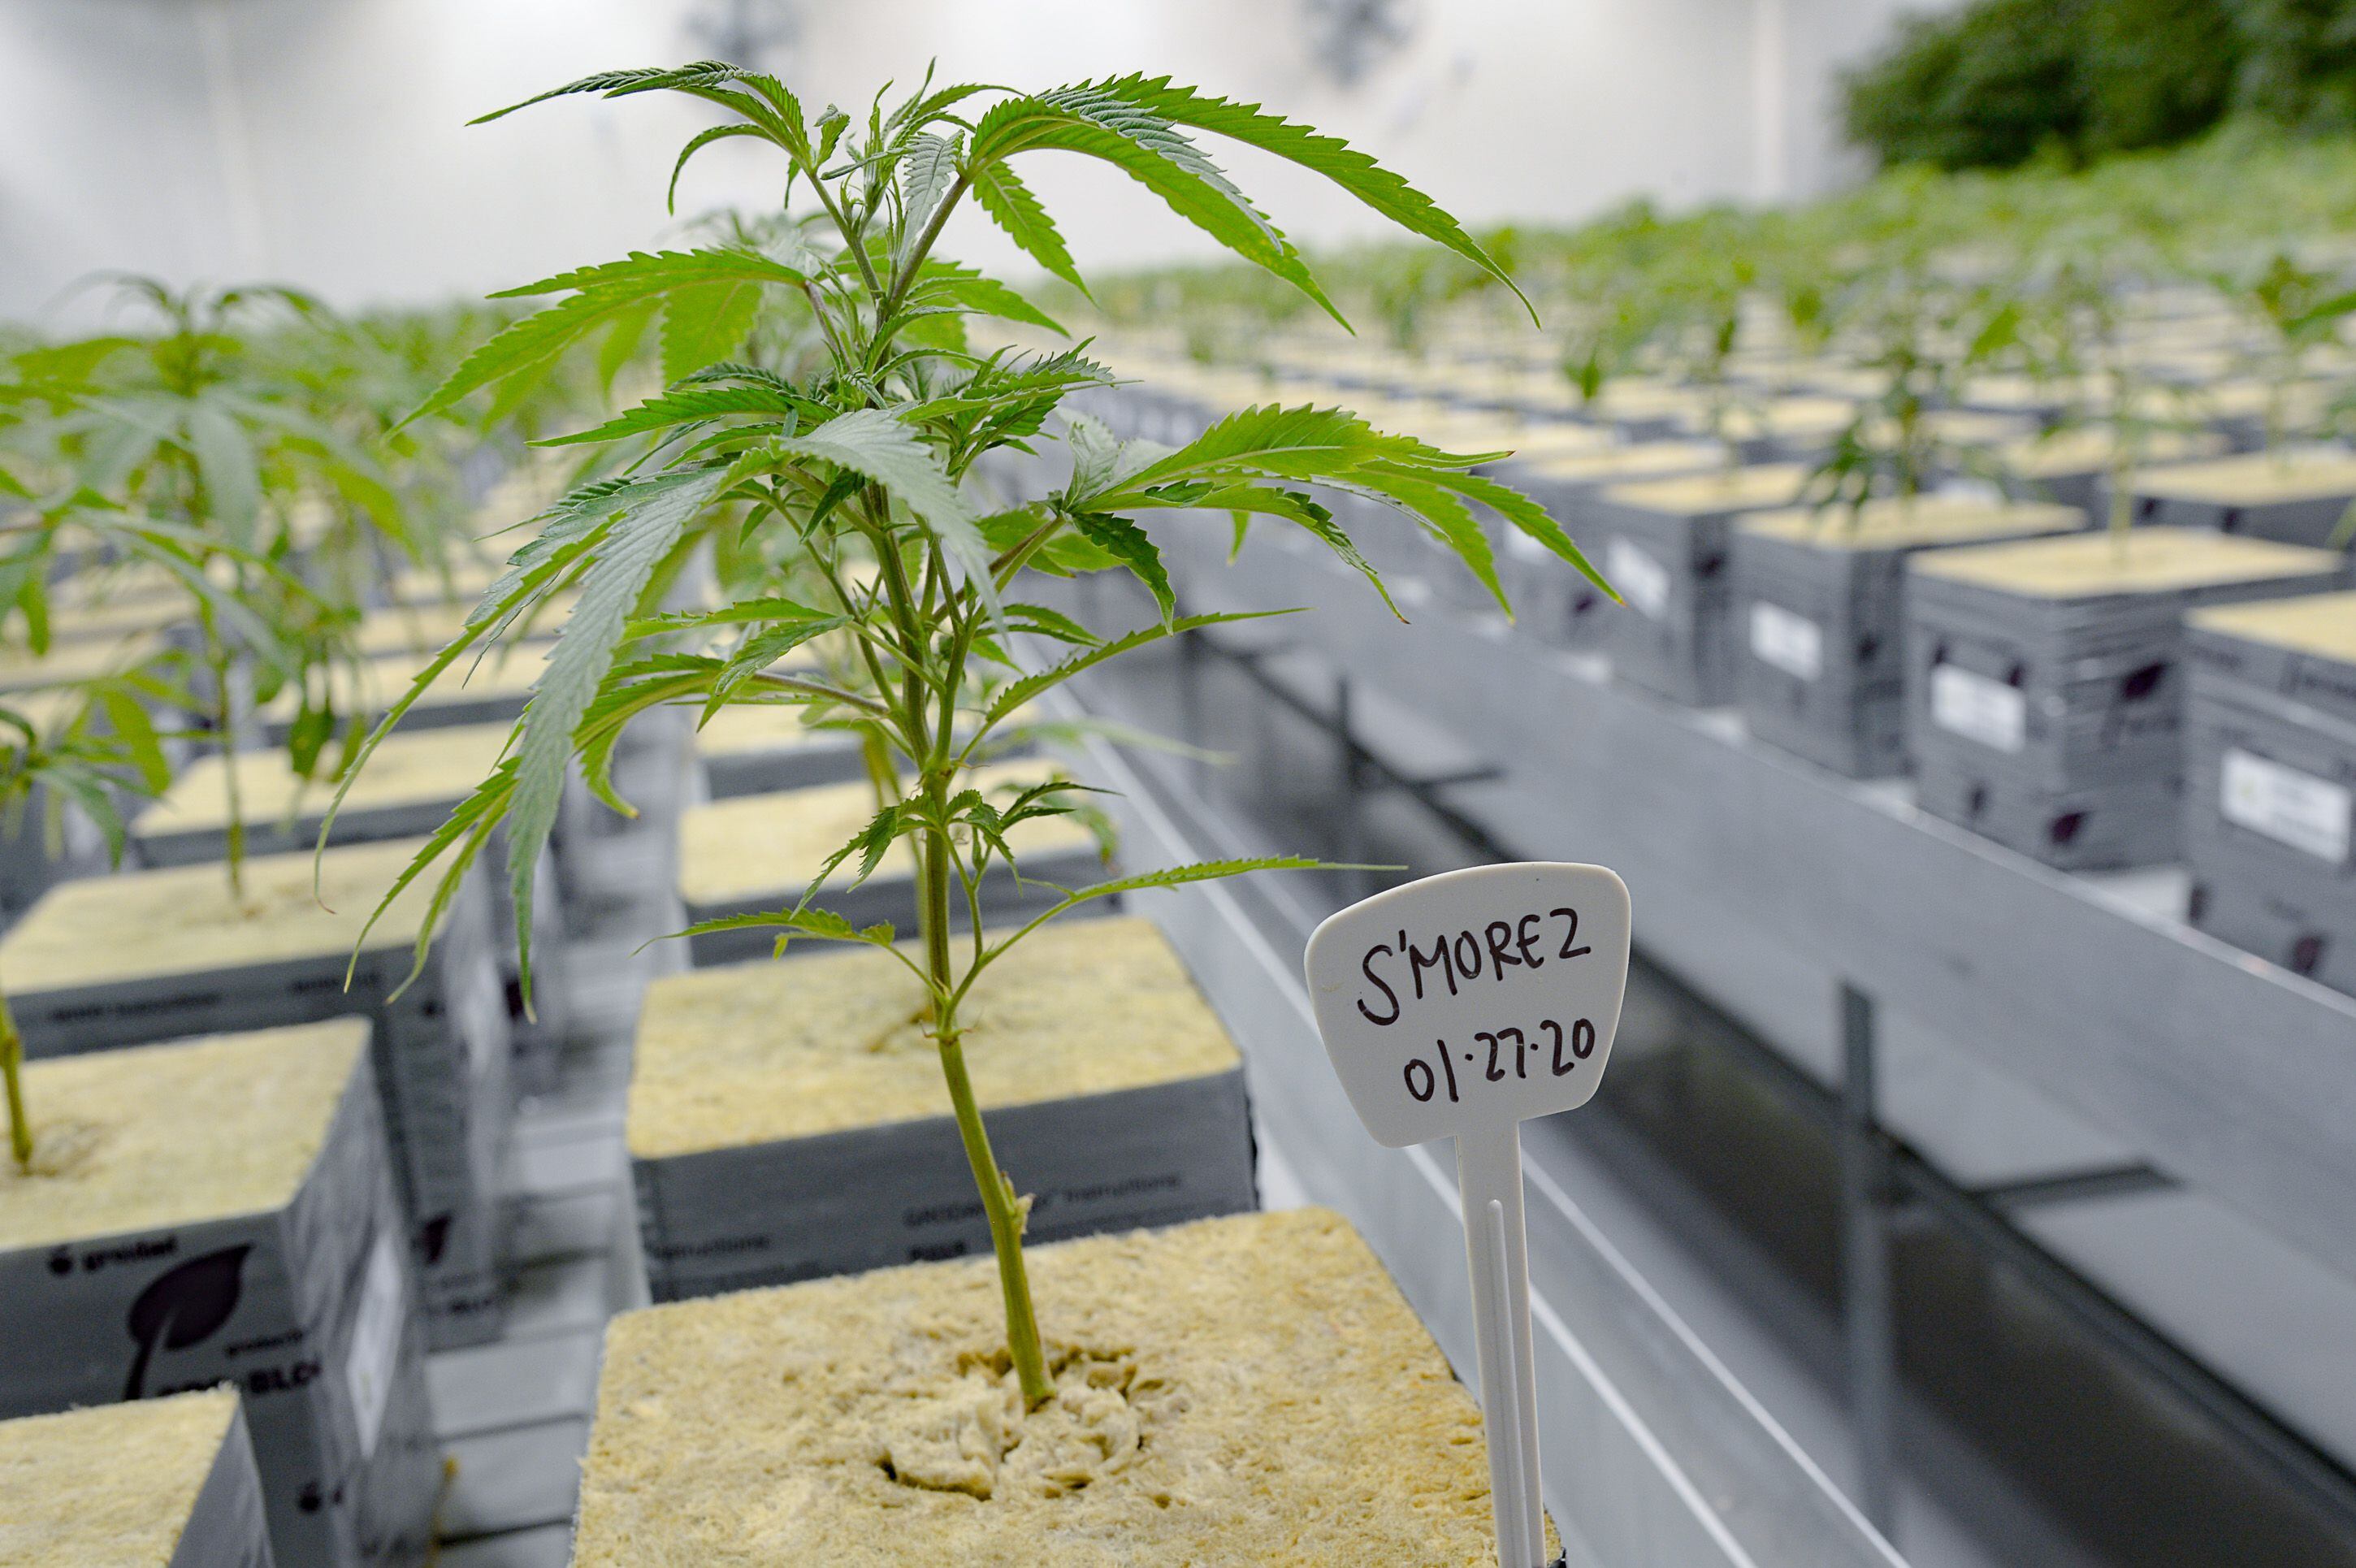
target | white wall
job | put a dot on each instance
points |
(323, 140)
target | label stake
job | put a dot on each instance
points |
(1458, 1006)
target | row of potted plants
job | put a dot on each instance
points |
(247, 1149)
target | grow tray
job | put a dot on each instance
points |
(2270, 761)
(789, 1120)
(221, 1212)
(2226, 1071)
(467, 693)
(409, 788)
(2297, 495)
(758, 852)
(411, 785)
(1244, 1390)
(1818, 666)
(2045, 684)
(202, 965)
(2073, 466)
(1662, 544)
(167, 1483)
(82, 659)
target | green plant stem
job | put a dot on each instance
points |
(225, 730)
(999, 1201)
(12, 1066)
(935, 865)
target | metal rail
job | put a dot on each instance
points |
(1886, 1181)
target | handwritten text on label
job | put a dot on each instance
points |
(1479, 997)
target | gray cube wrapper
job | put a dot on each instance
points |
(313, 1323)
(2279, 882)
(537, 1034)
(2309, 520)
(2054, 724)
(867, 1197)
(1819, 668)
(443, 1057)
(1675, 634)
(227, 1527)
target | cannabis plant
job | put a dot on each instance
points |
(76, 747)
(193, 448)
(1927, 336)
(852, 459)
(2295, 309)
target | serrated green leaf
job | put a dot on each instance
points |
(683, 407)
(1094, 122)
(819, 925)
(1353, 170)
(1446, 514)
(872, 443)
(1525, 514)
(762, 651)
(1306, 444)
(642, 273)
(654, 512)
(1009, 204)
(706, 324)
(622, 341)
(1041, 621)
(696, 144)
(926, 171)
(528, 344)
(964, 286)
(228, 467)
(1124, 538)
(1017, 692)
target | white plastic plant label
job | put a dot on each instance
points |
(1460, 1006)
(1792, 643)
(1972, 705)
(1473, 999)
(370, 1363)
(2290, 806)
(1643, 581)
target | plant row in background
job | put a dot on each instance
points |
(2033, 266)
(220, 545)
(1777, 430)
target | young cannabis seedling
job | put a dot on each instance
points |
(193, 452)
(91, 746)
(850, 458)
(2299, 309)
(1928, 339)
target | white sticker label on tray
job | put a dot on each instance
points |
(1977, 708)
(1794, 644)
(2290, 806)
(1642, 581)
(376, 1341)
